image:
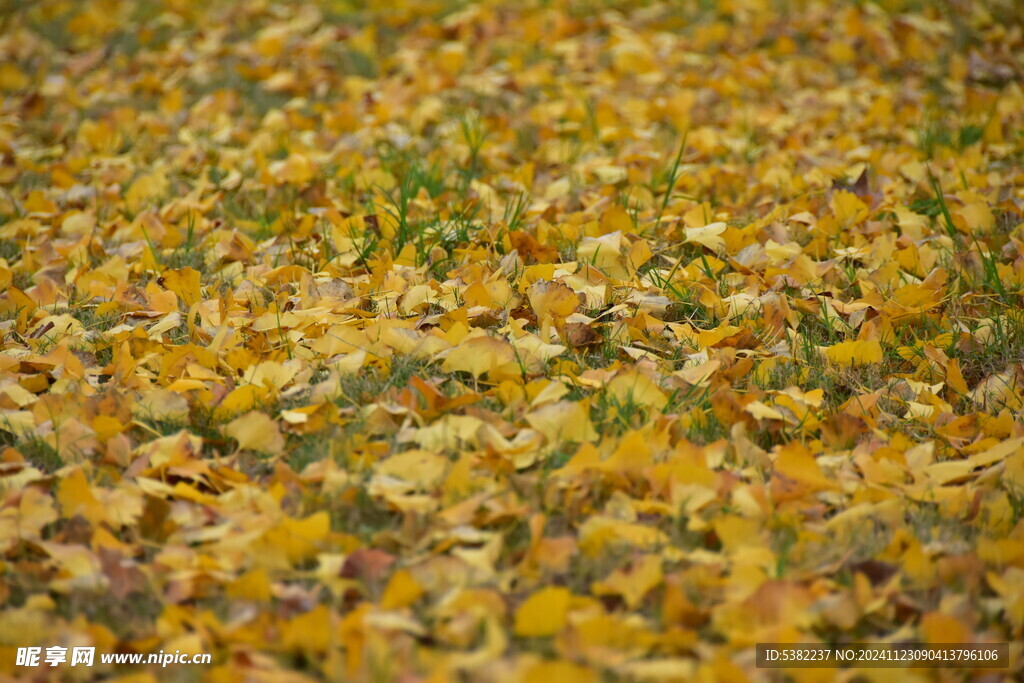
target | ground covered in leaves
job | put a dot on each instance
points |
(560, 341)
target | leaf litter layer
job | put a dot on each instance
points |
(553, 341)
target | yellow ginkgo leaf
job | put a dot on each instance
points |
(402, 590)
(256, 431)
(796, 463)
(615, 219)
(145, 188)
(184, 282)
(709, 236)
(417, 468)
(479, 355)
(633, 583)
(975, 218)
(553, 300)
(296, 170)
(762, 411)
(855, 353)
(563, 421)
(848, 208)
(603, 252)
(76, 497)
(543, 613)
(636, 389)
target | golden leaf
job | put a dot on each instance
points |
(544, 613)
